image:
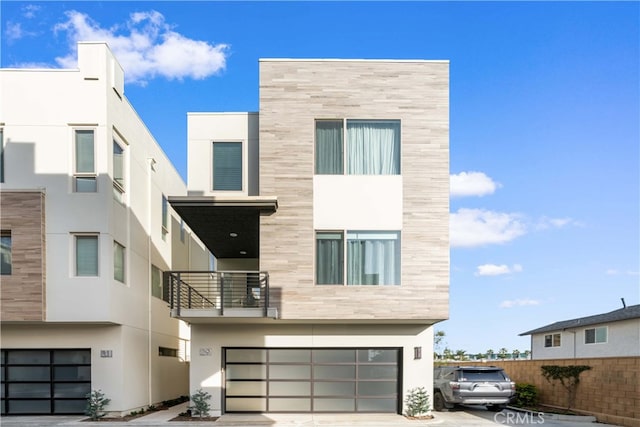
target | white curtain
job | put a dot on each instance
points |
(373, 258)
(373, 147)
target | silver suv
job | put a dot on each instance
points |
(472, 385)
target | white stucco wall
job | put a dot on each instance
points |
(206, 365)
(38, 127)
(205, 128)
(357, 202)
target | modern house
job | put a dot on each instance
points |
(86, 233)
(612, 334)
(328, 214)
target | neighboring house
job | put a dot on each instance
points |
(86, 232)
(328, 214)
(612, 334)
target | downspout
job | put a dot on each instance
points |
(152, 162)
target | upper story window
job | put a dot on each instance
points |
(118, 171)
(371, 147)
(84, 175)
(5, 252)
(86, 255)
(552, 340)
(227, 166)
(165, 217)
(373, 258)
(595, 335)
(118, 262)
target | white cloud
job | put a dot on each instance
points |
(29, 11)
(518, 303)
(148, 48)
(497, 270)
(478, 227)
(14, 31)
(472, 184)
(545, 223)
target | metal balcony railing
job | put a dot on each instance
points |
(217, 290)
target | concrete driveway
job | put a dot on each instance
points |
(466, 417)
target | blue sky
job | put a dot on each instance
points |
(545, 132)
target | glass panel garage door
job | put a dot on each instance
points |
(312, 380)
(45, 381)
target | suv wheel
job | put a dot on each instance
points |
(438, 401)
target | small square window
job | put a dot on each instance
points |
(595, 335)
(552, 340)
(227, 166)
(84, 169)
(5, 253)
(118, 262)
(86, 248)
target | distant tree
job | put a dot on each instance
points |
(527, 354)
(438, 342)
(480, 356)
(461, 355)
(447, 353)
(502, 353)
(490, 354)
(516, 353)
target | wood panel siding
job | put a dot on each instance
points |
(23, 291)
(293, 94)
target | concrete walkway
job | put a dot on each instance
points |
(466, 418)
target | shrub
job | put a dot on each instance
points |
(526, 395)
(569, 377)
(96, 402)
(417, 402)
(201, 405)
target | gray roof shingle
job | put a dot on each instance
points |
(630, 312)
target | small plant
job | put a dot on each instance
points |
(96, 402)
(201, 405)
(526, 395)
(417, 402)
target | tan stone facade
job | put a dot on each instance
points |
(293, 94)
(23, 291)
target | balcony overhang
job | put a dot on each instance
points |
(228, 226)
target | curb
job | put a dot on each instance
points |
(558, 417)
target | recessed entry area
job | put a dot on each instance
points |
(312, 380)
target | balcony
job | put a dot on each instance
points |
(198, 295)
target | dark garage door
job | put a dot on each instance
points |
(45, 381)
(312, 380)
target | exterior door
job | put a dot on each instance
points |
(45, 381)
(312, 380)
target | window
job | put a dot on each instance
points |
(552, 340)
(329, 258)
(372, 147)
(157, 288)
(169, 352)
(85, 171)
(165, 217)
(227, 166)
(1, 155)
(5, 252)
(118, 171)
(182, 230)
(373, 258)
(595, 335)
(86, 247)
(118, 262)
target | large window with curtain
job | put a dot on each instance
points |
(227, 166)
(84, 178)
(86, 254)
(370, 147)
(372, 258)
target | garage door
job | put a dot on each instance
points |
(312, 380)
(45, 381)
